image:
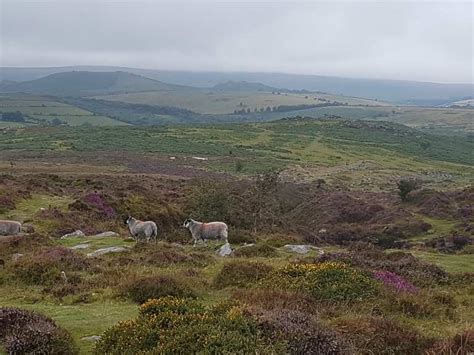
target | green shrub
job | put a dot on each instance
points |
(142, 289)
(257, 250)
(325, 281)
(405, 186)
(241, 274)
(172, 325)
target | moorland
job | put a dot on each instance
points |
(378, 195)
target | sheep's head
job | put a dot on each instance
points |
(187, 222)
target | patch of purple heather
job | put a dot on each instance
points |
(394, 281)
(98, 202)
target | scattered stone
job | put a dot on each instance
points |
(225, 250)
(322, 231)
(200, 158)
(80, 246)
(77, 233)
(107, 250)
(302, 248)
(16, 256)
(93, 338)
(105, 234)
(247, 245)
(27, 228)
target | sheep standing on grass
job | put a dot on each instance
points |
(205, 231)
(142, 229)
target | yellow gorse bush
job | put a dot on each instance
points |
(327, 280)
(175, 325)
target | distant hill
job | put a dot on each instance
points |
(243, 86)
(411, 92)
(84, 83)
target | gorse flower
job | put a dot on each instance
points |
(325, 281)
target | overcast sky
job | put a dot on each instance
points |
(396, 40)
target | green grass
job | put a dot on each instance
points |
(27, 208)
(361, 152)
(42, 110)
(81, 320)
(439, 227)
(455, 263)
(222, 102)
(96, 243)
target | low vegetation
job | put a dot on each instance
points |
(376, 274)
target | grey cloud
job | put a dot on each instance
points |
(399, 40)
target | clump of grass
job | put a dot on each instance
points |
(462, 343)
(164, 255)
(142, 289)
(241, 274)
(376, 335)
(257, 250)
(275, 299)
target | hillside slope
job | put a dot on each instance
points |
(83, 83)
(412, 92)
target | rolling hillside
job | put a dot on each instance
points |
(39, 110)
(83, 83)
(411, 92)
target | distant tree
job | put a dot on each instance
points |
(262, 109)
(13, 116)
(405, 186)
(235, 112)
(248, 110)
(268, 109)
(255, 110)
(241, 104)
(260, 199)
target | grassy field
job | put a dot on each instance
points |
(368, 154)
(43, 110)
(222, 102)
